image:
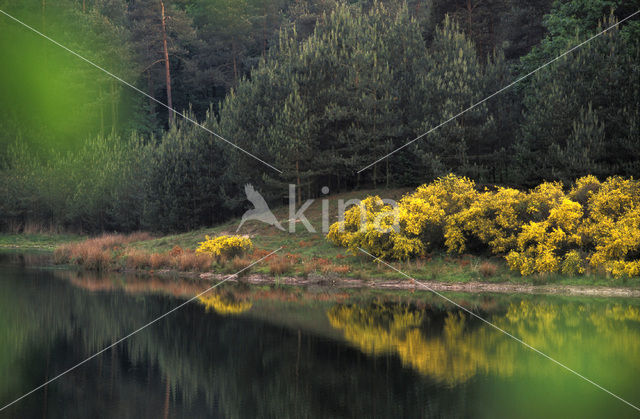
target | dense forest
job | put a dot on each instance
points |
(317, 89)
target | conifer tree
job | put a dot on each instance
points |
(555, 99)
(455, 82)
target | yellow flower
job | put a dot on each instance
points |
(542, 230)
(227, 246)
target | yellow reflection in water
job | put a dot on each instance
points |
(575, 332)
(224, 306)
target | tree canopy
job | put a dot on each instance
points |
(319, 89)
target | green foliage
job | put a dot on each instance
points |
(185, 182)
(318, 89)
(53, 99)
(95, 188)
(363, 84)
(575, 104)
(568, 20)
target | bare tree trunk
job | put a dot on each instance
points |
(167, 70)
(470, 8)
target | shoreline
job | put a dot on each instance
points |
(336, 281)
(439, 286)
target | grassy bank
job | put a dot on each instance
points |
(37, 241)
(303, 253)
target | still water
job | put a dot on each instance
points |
(253, 352)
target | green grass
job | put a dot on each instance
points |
(303, 243)
(36, 241)
(267, 237)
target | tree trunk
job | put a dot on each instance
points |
(167, 70)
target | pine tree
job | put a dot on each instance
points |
(455, 82)
(162, 35)
(555, 98)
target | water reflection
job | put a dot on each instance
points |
(224, 304)
(268, 351)
(462, 349)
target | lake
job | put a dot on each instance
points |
(245, 352)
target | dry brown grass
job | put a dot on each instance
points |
(97, 253)
(240, 262)
(160, 260)
(487, 269)
(97, 260)
(464, 262)
(308, 267)
(259, 253)
(318, 265)
(340, 269)
(190, 261)
(176, 251)
(138, 236)
(86, 254)
(136, 259)
(279, 265)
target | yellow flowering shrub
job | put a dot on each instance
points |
(424, 213)
(371, 226)
(583, 188)
(494, 218)
(542, 246)
(225, 246)
(594, 225)
(542, 199)
(573, 263)
(612, 227)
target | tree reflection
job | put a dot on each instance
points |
(404, 358)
